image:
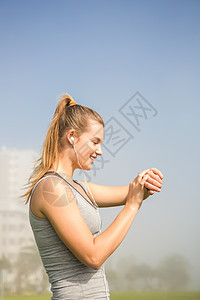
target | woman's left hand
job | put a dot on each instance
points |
(153, 183)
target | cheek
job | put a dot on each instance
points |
(88, 147)
(84, 150)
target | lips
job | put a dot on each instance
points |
(92, 158)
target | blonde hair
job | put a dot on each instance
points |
(68, 115)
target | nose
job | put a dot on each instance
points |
(99, 150)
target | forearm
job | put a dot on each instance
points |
(116, 196)
(108, 196)
(108, 241)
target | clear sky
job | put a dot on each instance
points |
(102, 53)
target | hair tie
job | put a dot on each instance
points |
(72, 102)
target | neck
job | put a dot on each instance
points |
(66, 165)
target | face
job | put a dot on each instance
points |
(88, 145)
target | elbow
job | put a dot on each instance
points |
(94, 258)
(95, 266)
(94, 263)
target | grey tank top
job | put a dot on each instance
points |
(70, 279)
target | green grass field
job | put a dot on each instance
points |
(127, 296)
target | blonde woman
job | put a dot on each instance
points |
(64, 213)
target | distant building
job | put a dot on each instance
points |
(15, 232)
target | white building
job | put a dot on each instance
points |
(15, 232)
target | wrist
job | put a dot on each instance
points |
(133, 207)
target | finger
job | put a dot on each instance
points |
(143, 180)
(151, 192)
(154, 182)
(156, 171)
(152, 187)
(154, 176)
(141, 174)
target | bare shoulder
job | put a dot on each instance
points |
(55, 191)
(51, 191)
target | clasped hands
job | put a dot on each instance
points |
(153, 182)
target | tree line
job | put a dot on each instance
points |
(24, 275)
(172, 273)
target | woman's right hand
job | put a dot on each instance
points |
(136, 190)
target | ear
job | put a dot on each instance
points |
(70, 136)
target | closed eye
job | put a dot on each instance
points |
(97, 141)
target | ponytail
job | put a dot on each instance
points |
(51, 144)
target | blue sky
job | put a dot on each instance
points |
(102, 53)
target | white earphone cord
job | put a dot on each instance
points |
(94, 202)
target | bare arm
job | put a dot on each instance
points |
(108, 196)
(65, 217)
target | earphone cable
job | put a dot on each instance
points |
(94, 202)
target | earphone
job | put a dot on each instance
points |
(72, 139)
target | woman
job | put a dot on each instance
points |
(64, 212)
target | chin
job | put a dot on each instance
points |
(85, 167)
